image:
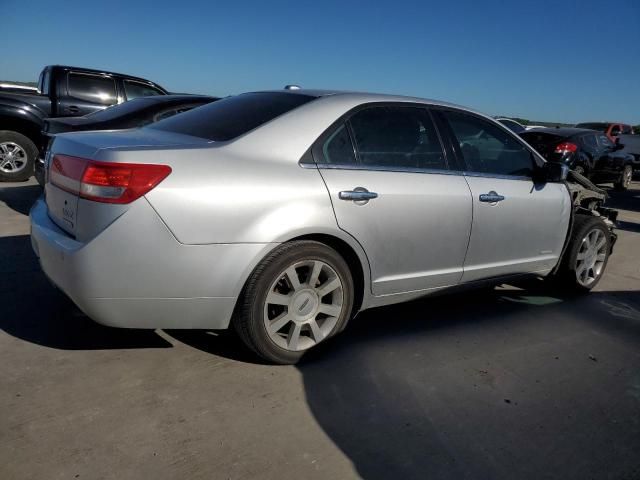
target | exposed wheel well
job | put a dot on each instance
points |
(350, 256)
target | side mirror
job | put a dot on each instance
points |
(618, 145)
(552, 172)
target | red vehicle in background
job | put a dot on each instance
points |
(611, 130)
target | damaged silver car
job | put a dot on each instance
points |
(283, 214)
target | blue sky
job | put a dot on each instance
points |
(546, 60)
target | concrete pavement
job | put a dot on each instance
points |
(513, 383)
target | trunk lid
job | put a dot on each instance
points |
(84, 218)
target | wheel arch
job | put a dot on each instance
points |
(24, 126)
(354, 255)
(354, 261)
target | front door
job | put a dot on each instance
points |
(395, 194)
(519, 226)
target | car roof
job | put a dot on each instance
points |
(606, 124)
(366, 97)
(563, 131)
(176, 98)
(103, 72)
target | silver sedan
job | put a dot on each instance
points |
(285, 213)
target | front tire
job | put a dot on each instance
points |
(17, 156)
(625, 179)
(586, 256)
(299, 295)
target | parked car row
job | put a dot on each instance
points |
(135, 113)
(62, 91)
(587, 152)
(283, 214)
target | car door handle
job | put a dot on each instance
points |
(73, 109)
(491, 197)
(358, 194)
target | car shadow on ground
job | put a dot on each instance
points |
(20, 198)
(494, 384)
(33, 310)
(626, 200)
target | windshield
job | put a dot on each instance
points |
(231, 117)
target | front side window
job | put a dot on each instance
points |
(92, 88)
(397, 137)
(488, 149)
(136, 89)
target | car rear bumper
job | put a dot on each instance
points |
(135, 274)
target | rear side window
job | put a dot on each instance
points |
(488, 149)
(92, 88)
(338, 149)
(397, 136)
(626, 129)
(136, 89)
(231, 117)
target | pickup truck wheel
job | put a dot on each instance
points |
(587, 255)
(17, 156)
(625, 179)
(299, 295)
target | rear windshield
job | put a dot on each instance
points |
(231, 117)
(119, 110)
(594, 126)
(544, 143)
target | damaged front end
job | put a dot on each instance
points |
(588, 199)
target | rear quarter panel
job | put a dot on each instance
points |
(216, 196)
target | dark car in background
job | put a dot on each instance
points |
(611, 129)
(587, 152)
(62, 91)
(515, 127)
(132, 114)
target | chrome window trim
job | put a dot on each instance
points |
(496, 175)
(336, 166)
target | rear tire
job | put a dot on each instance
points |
(17, 156)
(625, 179)
(299, 295)
(587, 254)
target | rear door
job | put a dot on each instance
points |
(393, 191)
(86, 93)
(518, 226)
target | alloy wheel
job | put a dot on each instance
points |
(626, 177)
(591, 257)
(13, 158)
(303, 305)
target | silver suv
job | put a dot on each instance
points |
(285, 213)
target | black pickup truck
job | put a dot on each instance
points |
(63, 91)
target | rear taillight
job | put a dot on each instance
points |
(566, 147)
(105, 182)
